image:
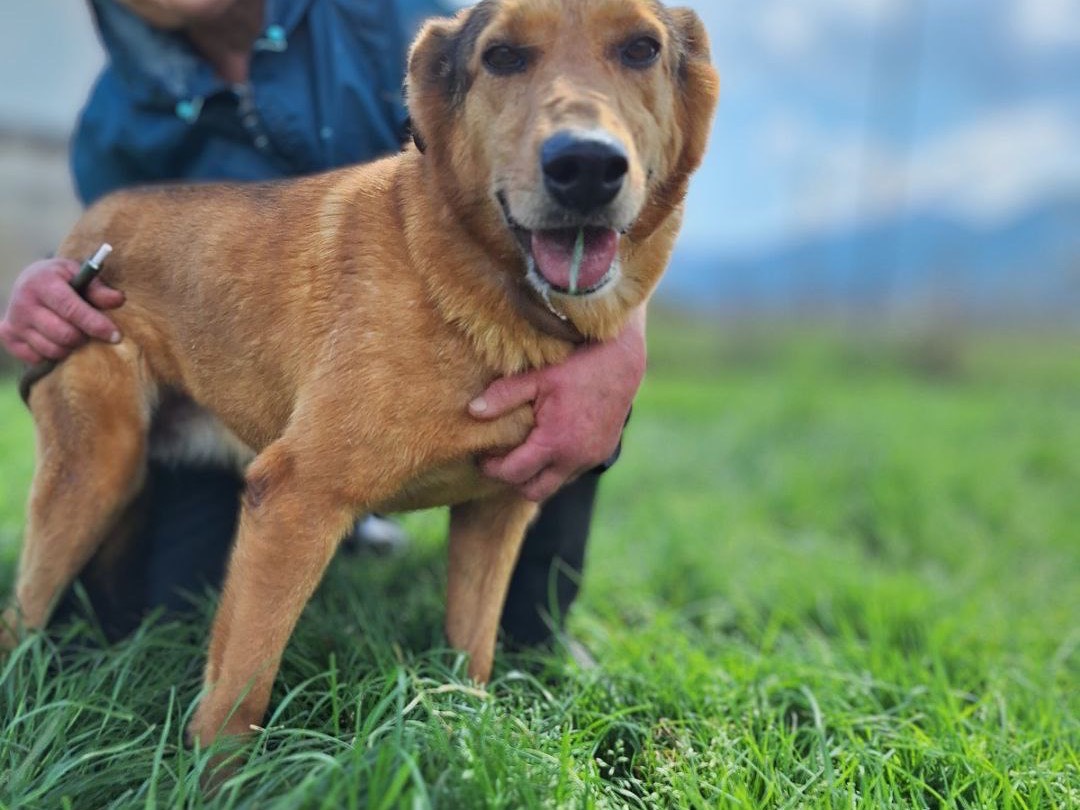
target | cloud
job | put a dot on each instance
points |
(1042, 24)
(996, 167)
(787, 31)
(797, 29)
(983, 173)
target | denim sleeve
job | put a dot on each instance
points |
(99, 163)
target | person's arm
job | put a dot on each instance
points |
(580, 406)
(46, 319)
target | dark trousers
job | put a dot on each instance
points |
(189, 518)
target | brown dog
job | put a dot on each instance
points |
(339, 325)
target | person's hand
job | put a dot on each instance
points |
(46, 319)
(580, 408)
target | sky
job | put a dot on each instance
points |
(838, 113)
(49, 57)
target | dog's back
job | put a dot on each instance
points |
(232, 288)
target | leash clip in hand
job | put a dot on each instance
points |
(81, 284)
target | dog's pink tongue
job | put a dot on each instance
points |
(554, 255)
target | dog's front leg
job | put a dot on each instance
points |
(290, 525)
(485, 538)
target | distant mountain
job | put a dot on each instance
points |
(1028, 267)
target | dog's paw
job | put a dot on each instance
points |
(227, 751)
(220, 768)
(9, 635)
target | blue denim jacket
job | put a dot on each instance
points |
(324, 91)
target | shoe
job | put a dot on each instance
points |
(553, 654)
(374, 534)
(579, 653)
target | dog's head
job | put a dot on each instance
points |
(567, 130)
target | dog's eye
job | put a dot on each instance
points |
(641, 52)
(502, 60)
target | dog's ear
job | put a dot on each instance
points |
(697, 88)
(699, 84)
(438, 76)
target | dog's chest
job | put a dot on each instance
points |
(446, 485)
(184, 433)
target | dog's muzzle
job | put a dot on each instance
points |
(583, 172)
(573, 249)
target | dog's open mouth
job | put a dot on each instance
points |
(575, 261)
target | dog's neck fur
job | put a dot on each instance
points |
(510, 330)
(542, 315)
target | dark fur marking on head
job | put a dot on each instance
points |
(464, 47)
(680, 22)
(451, 69)
(679, 56)
(445, 68)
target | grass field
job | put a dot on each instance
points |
(825, 573)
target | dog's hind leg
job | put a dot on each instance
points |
(91, 416)
(485, 539)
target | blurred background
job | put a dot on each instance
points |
(897, 159)
(849, 487)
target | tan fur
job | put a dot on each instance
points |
(339, 325)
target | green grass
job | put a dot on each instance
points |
(825, 573)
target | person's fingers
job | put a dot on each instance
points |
(21, 351)
(57, 330)
(45, 347)
(102, 296)
(544, 485)
(7, 336)
(65, 268)
(69, 306)
(520, 465)
(504, 395)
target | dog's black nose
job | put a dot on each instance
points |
(583, 172)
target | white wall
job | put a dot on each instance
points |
(49, 57)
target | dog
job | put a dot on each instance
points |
(338, 325)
